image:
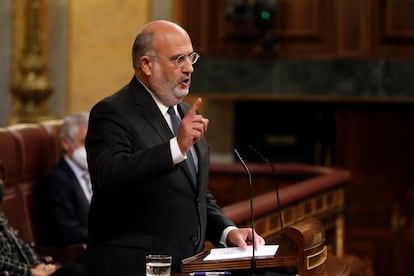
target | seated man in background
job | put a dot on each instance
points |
(16, 256)
(63, 197)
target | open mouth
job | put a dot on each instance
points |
(186, 82)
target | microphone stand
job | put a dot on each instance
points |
(253, 259)
(266, 160)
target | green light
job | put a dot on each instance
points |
(265, 15)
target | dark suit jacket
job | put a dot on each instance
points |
(62, 208)
(143, 203)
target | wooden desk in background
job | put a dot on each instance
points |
(305, 191)
(302, 250)
(332, 267)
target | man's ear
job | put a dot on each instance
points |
(146, 65)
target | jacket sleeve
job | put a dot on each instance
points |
(11, 260)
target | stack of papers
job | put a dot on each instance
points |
(237, 253)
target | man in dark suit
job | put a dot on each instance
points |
(146, 200)
(63, 197)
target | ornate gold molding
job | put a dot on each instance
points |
(30, 87)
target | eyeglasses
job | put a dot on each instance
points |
(180, 60)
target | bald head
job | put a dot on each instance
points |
(162, 58)
(154, 36)
(162, 26)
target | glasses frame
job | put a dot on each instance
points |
(180, 60)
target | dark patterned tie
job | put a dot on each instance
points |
(175, 122)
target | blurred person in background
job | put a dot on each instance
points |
(18, 258)
(64, 195)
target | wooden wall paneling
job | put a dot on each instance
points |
(375, 143)
(375, 247)
(221, 134)
(408, 234)
(407, 255)
(217, 40)
(409, 197)
(393, 28)
(354, 27)
(300, 19)
(188, 15)
(229, 37)
(399, 18)
(305, 29)
(301, 27)
(205, 22)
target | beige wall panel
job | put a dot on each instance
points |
(101, 34)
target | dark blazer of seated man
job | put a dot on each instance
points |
(64, 195)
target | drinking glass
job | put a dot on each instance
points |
(158, 265)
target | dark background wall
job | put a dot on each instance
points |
(339, 77)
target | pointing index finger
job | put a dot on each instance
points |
(195, 106)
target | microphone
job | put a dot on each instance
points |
(266, 160)
(253, 260)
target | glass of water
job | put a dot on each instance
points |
(158, 265)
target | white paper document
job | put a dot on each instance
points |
(237, 253)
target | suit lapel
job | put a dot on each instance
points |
(77, 187)
(152, 114)
(149, 110)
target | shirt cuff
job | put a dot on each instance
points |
(176, 154)
(223, 239)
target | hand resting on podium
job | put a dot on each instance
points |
(242, 237)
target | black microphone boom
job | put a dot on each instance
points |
(266, 160)
(253, 260)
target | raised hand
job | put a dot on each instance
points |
(192, 128)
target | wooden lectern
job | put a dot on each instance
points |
(301, 248)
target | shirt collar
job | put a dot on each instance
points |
(163, 108)
(75, 168)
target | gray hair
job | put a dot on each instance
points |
(72, 124)
(144, 42)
